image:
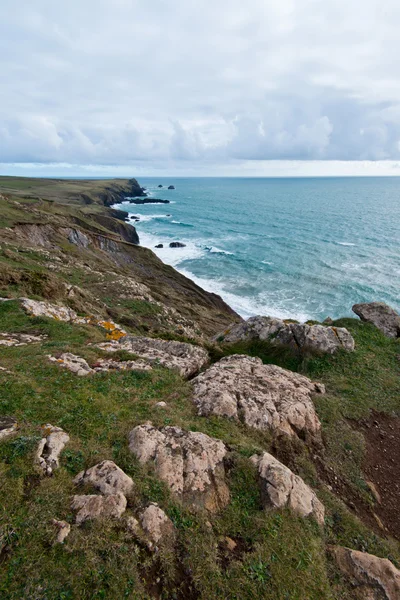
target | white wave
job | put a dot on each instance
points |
(146, 218)
(245, 307)
(345, 244)
(171, 256)
(266, 262)
(214, 250)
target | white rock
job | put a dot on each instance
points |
(280, 487)
(8, 426)
(153, 525)
(73, 363)
(300, 336)
(381, 315)
(20, 339)
(187, 359)
(50, 448)
(261, 396)
(190, 463)
(98, 507)
(377, 578)
(106, 477)
(106, 364)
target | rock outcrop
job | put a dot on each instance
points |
(153, 525)
(280, 487)
(79, 365)
(107, 478)
(381, 315)
(73, 363)
(50, 448)
(190, 463)
(20, 339)
(374, 578)
(187, 359)
(98, 507)
(261, 396)
(8, 426)
(300, 336)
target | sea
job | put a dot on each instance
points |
(301, 248)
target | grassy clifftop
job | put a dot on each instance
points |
(57, 250)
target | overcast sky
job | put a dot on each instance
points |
(207, 87)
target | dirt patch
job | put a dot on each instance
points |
(382, 467)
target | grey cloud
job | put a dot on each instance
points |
(113, 82)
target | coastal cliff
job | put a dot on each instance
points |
(153, 445)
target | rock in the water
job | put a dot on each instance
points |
(300, 336)
(64, 529)
(20, 339)
(190, 463)
(177, 245)
(280, 487)
(8, 426)
(154, 524)
(98, 507)
(187, 359)
(160, 186)
(261, 396)
(106, 477)
(376, 578)
(159, 246)
(50, 448)
(73, 363)
(171, 187)
(381, 315)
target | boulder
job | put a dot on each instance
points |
(160, 186)
(50, 448)
(159, 246)
(73, 363)
(261, 396)
(177, 245)
(153, 524)
(8, 426)
(98, 507)
(106, 477)
(191, 463)
(381, 315)
(171, 187)
(187, 359)
(374, 578)
(280, 487)
(300, 336)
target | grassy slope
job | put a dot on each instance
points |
(279, 556)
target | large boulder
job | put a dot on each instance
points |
(190, 463)
(280, 487)
(261, 396)
(50, 448)
(381, 315)
(300, 336)
(106, 477)
(374, 578)
(187, 359)
(98, 507)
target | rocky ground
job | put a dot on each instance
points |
(144, 455)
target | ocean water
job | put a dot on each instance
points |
(303, 248)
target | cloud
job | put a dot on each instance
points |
(166, 83)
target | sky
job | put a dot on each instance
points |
(200, 87)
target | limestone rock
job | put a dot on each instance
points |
(50, 448)
(107, 364)
(376, 578)
(280, 487)
(98, 507)
(20, 339)
(153, 524)
(261, 396)
(73, 363)
(8, 426)
(190, 463)
(311, 338)
(106, 477)
(187, 359)
(64, 529)
(381, 315)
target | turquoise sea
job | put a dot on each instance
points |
(303, 248)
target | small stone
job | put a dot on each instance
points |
(230, 544)
(98, 507)
(161, 404)
(8, 426)
(64, 529)
(106, 477)
(50, 448)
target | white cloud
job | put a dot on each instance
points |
(195, 85)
